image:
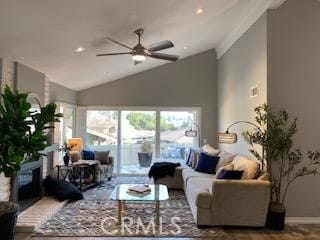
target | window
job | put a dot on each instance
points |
(129, 131)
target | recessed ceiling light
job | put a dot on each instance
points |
(185, 47)
(79, 49)
(199, 11)
(105, 73)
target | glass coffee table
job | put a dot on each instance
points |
(157, 194)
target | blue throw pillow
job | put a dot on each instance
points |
(207, 163)
(88, 155)
(188, 162)
(230, 174)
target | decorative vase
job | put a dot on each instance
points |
(276, 216)
(66, 159)
(8, 219)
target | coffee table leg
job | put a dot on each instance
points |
(119, 212)
(157, 212)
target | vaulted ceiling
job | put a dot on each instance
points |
(43, 34)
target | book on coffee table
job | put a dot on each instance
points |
(139, 189)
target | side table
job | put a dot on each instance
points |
(82, 174)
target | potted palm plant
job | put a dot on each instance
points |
(22, 136)
(145, 156)
(284, 164)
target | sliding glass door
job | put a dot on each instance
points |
(173, 142)
(102, 131)
(136, 137)
(138, 129)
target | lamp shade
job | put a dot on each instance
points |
(228, 138)
(76, 144)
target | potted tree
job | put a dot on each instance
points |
(283, 163)
(145, 156)
(22, 136)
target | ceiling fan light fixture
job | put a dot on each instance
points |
(138, 58)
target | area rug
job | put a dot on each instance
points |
(96, 216)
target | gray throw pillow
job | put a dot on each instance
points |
(102, 156)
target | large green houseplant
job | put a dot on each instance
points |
(23, 135)
(284, 163)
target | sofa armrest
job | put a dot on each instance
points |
(240, 202)
(253, 189)
(241, 194)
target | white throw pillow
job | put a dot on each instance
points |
(250, 167)
(225, 159)
(210, 150)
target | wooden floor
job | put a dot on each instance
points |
(304, 232)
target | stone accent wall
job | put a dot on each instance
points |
(7, 73)
(7, 78)
(46, 101)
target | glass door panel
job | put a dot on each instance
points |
(138, 130)
(102, 132)
(173, 142)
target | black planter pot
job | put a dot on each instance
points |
(66, 159)
(145, 159)
(8, 220)
(276, 216)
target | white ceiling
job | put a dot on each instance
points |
(44, 33)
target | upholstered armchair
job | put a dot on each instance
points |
(105, 168)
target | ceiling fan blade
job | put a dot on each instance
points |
(160, 46)
(112, 54)
(121, 44)
(164, 56)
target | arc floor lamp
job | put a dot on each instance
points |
(231, 138)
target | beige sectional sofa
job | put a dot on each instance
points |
(218, 202)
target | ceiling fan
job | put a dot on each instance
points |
(139, 52)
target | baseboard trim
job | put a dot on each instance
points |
(303, 220)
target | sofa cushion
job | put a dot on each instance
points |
(207, 163)
(191, 173)
(225, 159)
(210, 150)
(102, 156)
(198, 192)
(250, 167)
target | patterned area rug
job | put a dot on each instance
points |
(96, 216)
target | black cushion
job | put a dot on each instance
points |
(61, 190)
(230, 174)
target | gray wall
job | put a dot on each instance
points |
(1, 71)
(244, 65)
(29, 80)
(294, 84)
(190, 82)
(62, 94)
